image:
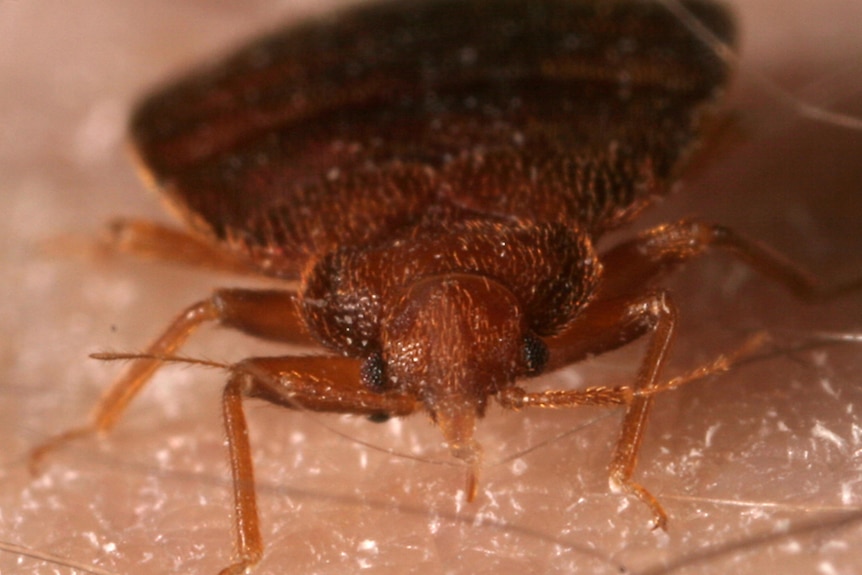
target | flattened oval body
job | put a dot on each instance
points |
(345, 131)
(437, 173)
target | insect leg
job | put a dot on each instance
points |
(269, 314)
(249, 543)
(330, 384)
(663, 315)
(155, 241)
(659, 250)
(603, 326)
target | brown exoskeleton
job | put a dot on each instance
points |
(436, 174)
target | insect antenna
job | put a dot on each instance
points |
(751, 350)
(132, 356)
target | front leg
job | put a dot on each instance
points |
(603, 326)
(329, 384)
(269, 314)
(607, 325)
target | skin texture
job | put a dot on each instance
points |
(767, 448)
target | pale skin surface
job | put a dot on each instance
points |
(766, 448)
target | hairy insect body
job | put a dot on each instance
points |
(436, 174)
(550, 269)
(453, 307)
(573, 112)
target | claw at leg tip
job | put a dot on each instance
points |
(38, 453)
(472, 484)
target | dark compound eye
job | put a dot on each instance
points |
(373, 372)
(535, 354)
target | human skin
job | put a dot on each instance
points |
(757, 468)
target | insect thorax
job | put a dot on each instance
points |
(550, 269)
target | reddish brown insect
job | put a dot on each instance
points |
(436, 173)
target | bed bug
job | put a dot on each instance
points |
(436, 175)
